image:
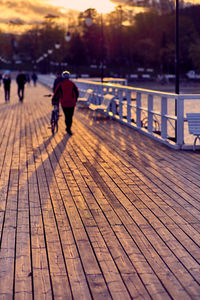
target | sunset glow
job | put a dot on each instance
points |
(19, 15)
(102, 6)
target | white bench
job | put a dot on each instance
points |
(86, 100)
(194, 126)
(104, 106)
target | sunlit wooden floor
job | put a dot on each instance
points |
(104, 214)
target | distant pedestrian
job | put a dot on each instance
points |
(34, 78)
(28, 80)
(57, 80)
(21, 81)
(6, 85)
(66, 92)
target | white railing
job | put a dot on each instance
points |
(157, 114)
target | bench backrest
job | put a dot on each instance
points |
(107, 99)
(88, 94)
(193, 123)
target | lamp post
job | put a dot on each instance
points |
(14, 45)
(45, 55)
(177, 69)
(57, 46)
(50, 51)
(102, 50)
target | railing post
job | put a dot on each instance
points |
(107, 90)
(120, 96)
(150, 114)
(113, 103)
(128, 101)
(180, 121)
(163, 118)
(138, 109)
(99, 94)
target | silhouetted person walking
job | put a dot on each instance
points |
(66, 92)
(57, 80)
(34, 78)
(6, 85)
(21, 81)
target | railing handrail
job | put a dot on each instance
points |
(130, 88)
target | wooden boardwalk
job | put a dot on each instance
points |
(105, 214)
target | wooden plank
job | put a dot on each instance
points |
(40, 271)
(7, 253)
(23, 268)
(5, 159)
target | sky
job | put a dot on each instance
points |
(81, 5)
(31, 12)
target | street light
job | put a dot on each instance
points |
(88, 21)
(68, 36)
(45, 55)
(50, 51)
(57, 45)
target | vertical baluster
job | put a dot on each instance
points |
(150, 113)
(180, 121)
(164, 118)
(100, 94)
(113, 103)
(138, 109)
(120, 96)
(128, 101)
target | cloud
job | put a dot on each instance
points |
(28, 6)
(23, 13)
(118, 2)
(27, 12)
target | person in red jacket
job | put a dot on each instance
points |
(66, 92)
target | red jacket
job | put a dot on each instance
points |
(67, 93)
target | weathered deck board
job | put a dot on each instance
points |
(104, 214)
(23, 283)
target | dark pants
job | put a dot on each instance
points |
(7, 94)
(20, 92)
(68, 111)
